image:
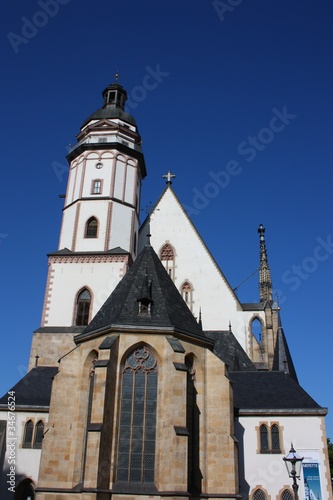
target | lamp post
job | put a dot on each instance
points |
(293, 463)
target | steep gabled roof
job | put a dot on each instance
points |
(282, 358)
(266, 390)
(145, 228)
(34, 389)
(229, 350)
(146, 282)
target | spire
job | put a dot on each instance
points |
(265, 280)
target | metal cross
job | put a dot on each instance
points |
(169, 176)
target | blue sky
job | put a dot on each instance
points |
(235, 100)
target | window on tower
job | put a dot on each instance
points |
(91, 228)
(83, 308)
(96, 187)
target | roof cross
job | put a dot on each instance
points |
(169, 176)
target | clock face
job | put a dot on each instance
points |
(99, 165)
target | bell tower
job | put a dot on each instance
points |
(100, 222)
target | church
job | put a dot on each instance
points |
(147, 376)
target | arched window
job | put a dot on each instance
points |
(28, 432)
(287, 495)
(39, 432)
(256, 329)
(264, 439)
(275, 437)
(136, 453)
(25, 490)
(259, 495)
(168, 259)
(83, 308)
(91, 228)
(186, 292)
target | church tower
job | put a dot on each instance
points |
(100, 222)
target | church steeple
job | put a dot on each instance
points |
(265, 280)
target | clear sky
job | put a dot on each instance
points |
(234, 97)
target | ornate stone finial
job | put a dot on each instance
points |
(265, 280)
(168, 176)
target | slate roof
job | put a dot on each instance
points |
(228, 349)
(282, 358)
(109, 112)
(146, 279)
(269, 390)
(34, 389)
(112, 251)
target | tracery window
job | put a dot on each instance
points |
(91, 228)
(83, 308)
(136, 453)
(167, 257)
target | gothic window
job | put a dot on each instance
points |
(264, 439)
(39, 432)
(28, 432)
(259, 495)
(167, 257)
(287, 495)
(269, 438)
(186, 292)
(136, 453)
(256, 329)
(275, 437)
(91, 228)
(83, 308)
(96, 187)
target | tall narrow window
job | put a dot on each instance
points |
(83, 307)
(136, 454)
(28, 432)
(256, 328)
(91, 228)
(275, 437)
(39, 432)
(193, 426)
(186, 291)
(168, 259)
(264, 439)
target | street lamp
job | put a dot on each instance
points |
(293, 463)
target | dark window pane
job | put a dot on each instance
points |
(263, 438)
(39, 435)
(275, 437)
